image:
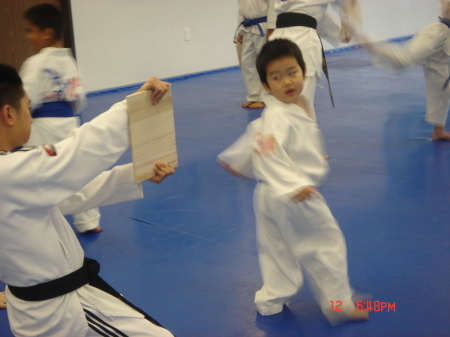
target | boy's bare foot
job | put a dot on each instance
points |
(357, 315)
(97, 229)
(441, 136)
(325, 156)
(257, 105)
(247, 104)
(2, 300)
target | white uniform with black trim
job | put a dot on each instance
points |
(428, 48)
(38, 245)
(307, 38)
(283, 150)
(252, 42)
(52, 76)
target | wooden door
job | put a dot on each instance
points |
(14, 49)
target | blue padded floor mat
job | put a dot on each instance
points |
(186, 253)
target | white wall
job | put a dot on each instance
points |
(123, 42)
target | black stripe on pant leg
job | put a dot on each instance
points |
(104, 323)
(97, 330)
(107, 332)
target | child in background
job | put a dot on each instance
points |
(54, 86)
(283, 150)
(256, 19)
(431, 48)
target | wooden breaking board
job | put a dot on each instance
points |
(152, 133)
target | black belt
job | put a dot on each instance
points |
(285, 20)
(87, 274)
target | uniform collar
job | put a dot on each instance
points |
(17, 149)
(270, 100)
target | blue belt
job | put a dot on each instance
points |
(54, 109)
(253, 22)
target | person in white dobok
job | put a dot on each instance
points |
(52, 290)
(283, 150)
(55, 87)
(430, 47)
(256, 20)
(303, 21)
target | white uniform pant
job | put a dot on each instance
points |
(292, 236)
(309, 43)
(251, 46)
(120, 317)
(53, 130)
(100, 325)
(438, 99)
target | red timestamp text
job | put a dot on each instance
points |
(367, 305)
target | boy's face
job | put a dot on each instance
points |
(284, 79)
(38, 38)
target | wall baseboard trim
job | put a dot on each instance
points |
(220, 70)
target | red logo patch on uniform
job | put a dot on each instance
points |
(264, 145)
(50, 149)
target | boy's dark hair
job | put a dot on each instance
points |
(274, 50)
(11, 90)
(46, 16)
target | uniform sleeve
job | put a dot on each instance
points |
(427, 42)
(45, 180)
(109, 188)
(239, 154)
(240, 18)
(329, 30)
(32, 78)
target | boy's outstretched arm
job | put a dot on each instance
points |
(162, 171)
(157, 87)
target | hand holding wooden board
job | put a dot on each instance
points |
(152, 133)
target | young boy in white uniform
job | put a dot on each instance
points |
(283, 151)
(256, 19)
(431, 48)
(39, 252)
(298, 20)
(54, 86)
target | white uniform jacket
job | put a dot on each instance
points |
(283, 149)
(428, 48)
(52, 76)
(36, 242)
(253, 9)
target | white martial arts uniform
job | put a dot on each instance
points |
(52, 76)
(307, 38)
(252, 42)
(428, 48)
(283, 151)
(38, 245)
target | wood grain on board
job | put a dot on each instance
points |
(152, 133)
